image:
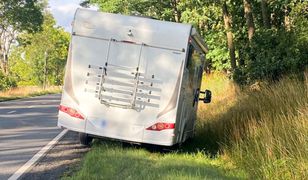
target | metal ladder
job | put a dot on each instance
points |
(125, 87)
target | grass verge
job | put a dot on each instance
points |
(27, 91)
(110, 160)
(263, 129)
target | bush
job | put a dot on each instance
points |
(271, 55)
(6, 82)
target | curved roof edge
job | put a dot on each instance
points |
(199, 40)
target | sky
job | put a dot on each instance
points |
(63, 11)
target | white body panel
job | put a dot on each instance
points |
(125, 74)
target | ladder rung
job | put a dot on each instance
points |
(147, 96)
(95, 67)
(90, 90)
(146, 104)
(143, 87)
(111, 98)
(112, 90)
(120, 75)
(121, 67)
(118, 83)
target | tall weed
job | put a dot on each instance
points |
(263, 130)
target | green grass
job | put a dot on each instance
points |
(27, 91)
(109, 160)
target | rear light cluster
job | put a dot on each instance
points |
(161, 126)
(70, 111)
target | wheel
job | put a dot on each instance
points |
(85, 139)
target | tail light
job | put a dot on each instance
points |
(161, 126)
(70, 111)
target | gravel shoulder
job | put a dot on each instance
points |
(59, 161)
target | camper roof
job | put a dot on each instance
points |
(153, 32)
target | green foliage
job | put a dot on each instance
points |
(207, 18)
(20, 68)
(273, 53)
(17, 17)
(45, 49)
(154, 8)
(22, 15)
(6, 82)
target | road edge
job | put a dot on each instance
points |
(26, 167)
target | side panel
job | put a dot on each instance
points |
(191, 83)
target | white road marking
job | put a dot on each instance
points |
(11, 112)
(30, 106)
(37, 156)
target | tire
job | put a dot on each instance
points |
(85, 139)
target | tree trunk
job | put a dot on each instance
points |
(249, 19)
(4, 63)
(7, 35)
(1, 54)
(45, 70)
(265, 16)
(2, 66)
(227, 21)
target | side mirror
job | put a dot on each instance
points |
(207, 96)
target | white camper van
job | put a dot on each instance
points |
(132, 78)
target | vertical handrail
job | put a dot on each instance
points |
(104, 69)
(107, 56)
(137, 77)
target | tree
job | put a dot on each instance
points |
(165, 10)
(44, 54)
(253, 30)
(249, 18)
(207, 18)
(227, 22)
(16, 16)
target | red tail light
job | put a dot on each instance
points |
(161, 126)
(70, 111)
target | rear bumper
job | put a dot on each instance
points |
(71, 123)
(164, 138)
(165, 141)
(137, 134)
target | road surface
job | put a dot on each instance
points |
(26, 125)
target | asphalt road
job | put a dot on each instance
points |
(26, 125)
